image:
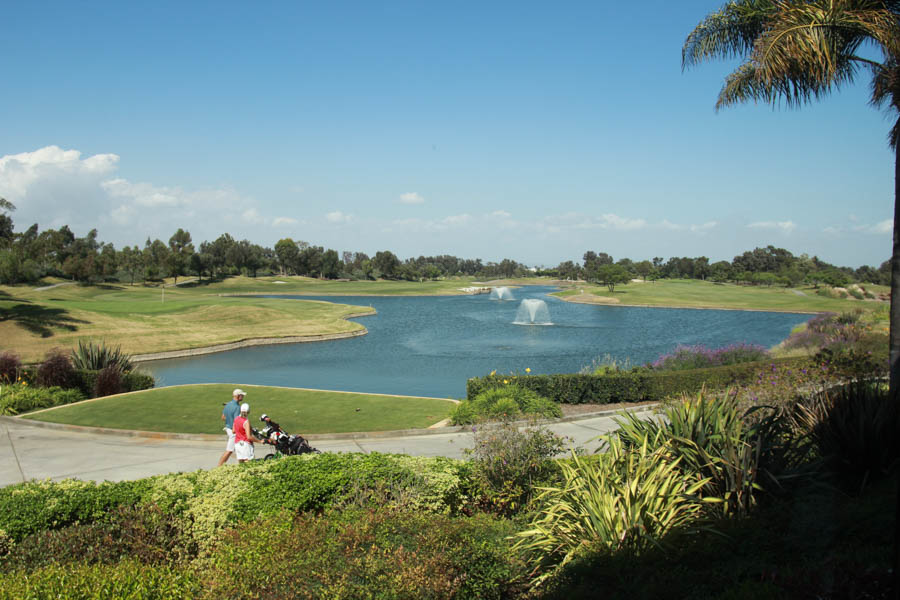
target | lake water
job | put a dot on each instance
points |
(430, 346)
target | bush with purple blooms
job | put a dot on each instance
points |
(701, 357)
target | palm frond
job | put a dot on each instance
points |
(727, 33)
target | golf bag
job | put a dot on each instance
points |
(284, 443)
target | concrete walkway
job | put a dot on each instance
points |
(30, 451)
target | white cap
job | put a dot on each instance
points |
(238, 392)
(245, 407)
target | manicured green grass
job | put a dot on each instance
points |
(704, 294)
(146, 319)
(198, 409)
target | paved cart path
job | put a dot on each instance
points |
(29, 451)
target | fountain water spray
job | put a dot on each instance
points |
(501, 293)
(533, 312)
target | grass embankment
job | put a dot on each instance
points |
(705, 294)
(144, 319)
(197, 409)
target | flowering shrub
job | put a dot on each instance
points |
(504, 402)
(509, 463)
(10, 367)
(701, 357)
(852, 348)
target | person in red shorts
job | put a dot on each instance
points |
(243, 436)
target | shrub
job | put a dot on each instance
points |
(367, 554)
(711, 440)
(854, 429)
(10, 367)
(700, 357)
(21, 398)
(96, 357)
(35, 506)
(57, 370)
(127, 579)
(626, 501)
(129, 382)
(109, 381)
(318, 482)
(505, 402)
(508, 463)
(143, 534)
(637, 385)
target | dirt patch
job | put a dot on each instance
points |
(573, 410)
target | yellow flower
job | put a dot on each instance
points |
(505, 381)
(527, 370)
(494, 372)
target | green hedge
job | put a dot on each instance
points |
(208, 501)
(18, 398)
(86, 380)
(640, 385)
(126, 579)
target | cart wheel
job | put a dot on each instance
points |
(268, 456)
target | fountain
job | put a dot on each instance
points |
(501, 293)
(532, 312)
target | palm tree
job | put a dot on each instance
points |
(796, 51)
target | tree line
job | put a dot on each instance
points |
(761, 266)
(32, 254)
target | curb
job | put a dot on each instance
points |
(360, 435)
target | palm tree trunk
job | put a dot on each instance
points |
(895, 352)
(895, 284)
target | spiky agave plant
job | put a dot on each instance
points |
(96, 357)
(854, 430)
(627, 500)
(710, 436)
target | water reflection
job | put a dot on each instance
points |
(429, 346)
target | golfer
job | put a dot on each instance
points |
(232, 409)
(243, 436)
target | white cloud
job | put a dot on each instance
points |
(784, 226)
(279, 221)
(705, 227)
(455, 220)
(338, 217)
(411, 198)
(622, 223)
(251, 216)
(144, 194)
(886, 226)
(19, 172)
(502, 214)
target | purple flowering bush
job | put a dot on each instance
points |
(852, 347)
(701, 357)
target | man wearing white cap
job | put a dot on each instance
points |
(243, 436)
(232, 409)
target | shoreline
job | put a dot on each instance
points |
(603, 301)
(250, 342)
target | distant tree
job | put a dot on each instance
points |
(612, 275)
(568, 270)
(156, 254)
(286, 251)
(720, 271)
(331, 264)
(180, 251)
(6, 222)
(387, 263)
(643, 269)
(218, 252)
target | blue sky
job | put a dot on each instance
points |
(524, 130)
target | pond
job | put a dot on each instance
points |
(430, 346)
